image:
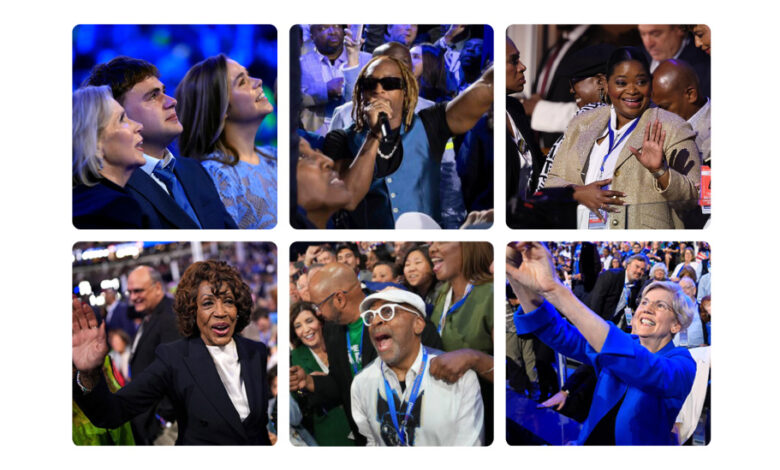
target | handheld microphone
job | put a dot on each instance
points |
(384, 125)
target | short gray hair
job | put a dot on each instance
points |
(683, 306)
(91, 112)
(660, 266)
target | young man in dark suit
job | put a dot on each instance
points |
(617, 290)
(172, 192)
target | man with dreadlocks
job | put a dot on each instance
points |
(407, 171)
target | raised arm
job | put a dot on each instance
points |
(89, 344)
(467, 108)
(536, 274)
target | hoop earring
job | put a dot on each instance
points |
(603, 96)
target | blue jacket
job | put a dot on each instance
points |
(655, 385)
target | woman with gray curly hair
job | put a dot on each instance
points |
(215, 379)
(643, 378)
(106, 151)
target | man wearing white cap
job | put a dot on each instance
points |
(395, 400)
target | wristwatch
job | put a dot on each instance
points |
(661, 171)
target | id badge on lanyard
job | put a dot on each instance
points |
(594, 223)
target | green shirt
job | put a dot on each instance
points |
(471, 325)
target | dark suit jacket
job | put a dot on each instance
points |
(105, 206)
(334, 388)
(161, 210)
(121, 321)
(159, 327)
(523, 123)
(606, 294)
(185, 371)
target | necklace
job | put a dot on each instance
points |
(387, 157)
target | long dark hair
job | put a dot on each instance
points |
(202, 99)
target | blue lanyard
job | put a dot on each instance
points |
(612, 141)
(355, 361)
(390, 395)
(457, 305)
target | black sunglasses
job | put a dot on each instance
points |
(388, 83)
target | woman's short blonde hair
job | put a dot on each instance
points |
(91, 111)
(683, 306)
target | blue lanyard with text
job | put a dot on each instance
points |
(355, 361)
(457, 305)
(389, 393)
(612, 140)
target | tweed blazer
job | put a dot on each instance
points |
(647, 206)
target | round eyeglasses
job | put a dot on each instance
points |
(386, 312)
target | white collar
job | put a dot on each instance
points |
(151, 162)
(411, 374)
(700, 113)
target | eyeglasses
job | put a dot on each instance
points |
(388, 83)
(386, 312)
(318, 306)
(655, 305)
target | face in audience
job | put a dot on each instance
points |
(319, 185)
(148, 104)
(328, 38)
(417, 270)
(447, 260)
(701, 37)
(515, 79)
(629, 89)
(662, 41)
(119, 141)
(382, 273)
(247, 102)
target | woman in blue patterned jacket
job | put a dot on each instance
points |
(221, 108)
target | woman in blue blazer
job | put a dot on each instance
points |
(215, 379)
(643, 379)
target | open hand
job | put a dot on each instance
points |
(535, 272)
(89, 339)
(651, 155)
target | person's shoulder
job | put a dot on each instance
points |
(251, 344)
(587, 117)
(370, 372)
(665, 117)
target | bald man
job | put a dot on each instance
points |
(337, 292)
(147, 296)
(342, 116)
(676, 89)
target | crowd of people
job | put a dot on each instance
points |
(393, 126)
(392, 343)
(623, 288)
(151, 354)
(616, 131)
(127, 126)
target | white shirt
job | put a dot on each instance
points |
(229, 370)
(445, 414)
(597, 154)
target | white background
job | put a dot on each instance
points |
(36, 270)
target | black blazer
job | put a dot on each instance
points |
(105, 206)
(159, 327)
(185, 372)
(334, 388)
(523, 123)
(606, 294)
(161, 210)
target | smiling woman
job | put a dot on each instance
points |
(643, 378)
(221, 109)
(328, 423)
(642, 165)
(215, 378)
